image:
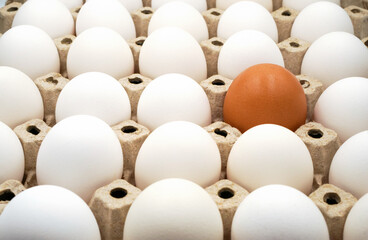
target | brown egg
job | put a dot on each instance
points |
(265, 93)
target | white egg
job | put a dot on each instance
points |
(246, 15)
(52, 16)
(173, 97)
(48, 212)
(245, 49)
(96, 94)
(278, 212)
(270, 154)
(320, 18)
(299, 5)
(181, 150)
(100, 49)
(349, 167)
(335, 56)
(130, 5)
(80, 153)
(224, 4)
(182, 15)
(30, 50)
(200, 5)
(20, 99)
(107, 13)
(70, 4)
(343, 107)
(173, 209)
(11, 155)
(356, 227)
(172, 50)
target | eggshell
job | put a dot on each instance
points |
(343, 107)
(335, 56)
(80, 153)
(182, 15)
(356, 222)
(178, 149)
(270, 154)
(246, 15)
(172, 97)
(52, 16)
(172, 50)
(245, 49)
(200, 5)
(107, 13)
(20, 99)
(299, 5)
(130, 5)
(70, 4)
(224, 4)
(96, 94)
(265, 93)
(100, 49)
(173, 209)
(278, 212)
(349, 167)
(30, 50)
(320, 18)
(48, 212)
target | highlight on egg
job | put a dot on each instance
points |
(200, 5)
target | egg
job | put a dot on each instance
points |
(178, 149)
(343, 107)
(224, 4)
(100, 49)
(299, 5)
(246, 15)
(320, 18)
(80, 153)
(30, 50)
(355, 226)
(265, 93)
(11, 155)
(245, 49)
(96, 94)
(173, 209)
(349, 167)
(182, 15)
(52, 16)
(70, 4)
(173, 97)
(130, 5)
(335, 56)
(48, 212)
(278, 212)
(172, 50)
(200, 5)
(20, 99)
(108, 13)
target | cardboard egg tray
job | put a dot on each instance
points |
(111, 203)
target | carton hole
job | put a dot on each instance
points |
(140, 42)
(217, 43)
(366, 43)
(77, 10)
(118, 193)
(33, 130)
(355, 10)
(221, 132)
(294, 44)
(225, 193)
(6, 195)
(146, 12)
(52, 80)
(304, 83)
(218, 82)
(331, 198)
(315, 133)
(12, 9)
(215, 13)
(135, 80)
(286, 13)
(66, 41)
(129, 129)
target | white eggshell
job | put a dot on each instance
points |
(343, 107)
(270, 154)
(172, 50)
(80, 153)
(320, 18)
(173, 209)
(299, 5)
(246, 15)
(70, 4)
(224, 4)
(173, 97)
(178, 149)
(349, 167)
(130, 5)
(107, 13)
(356, 227)
(30, 50)
(11, 155)
(20, 99)
(335, 56)
(200, 5)
(48, 212)
(100, 49)
(278, 212)
(182, 15)
(52, 16)
(245, 49)
(96, 94)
